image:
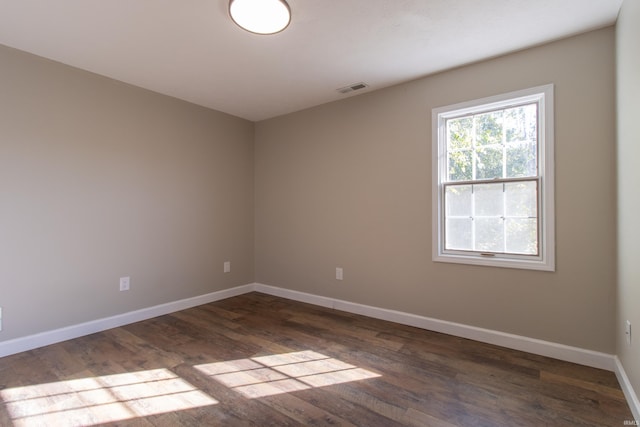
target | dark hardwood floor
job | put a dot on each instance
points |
(259, 360)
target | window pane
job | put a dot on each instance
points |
(488, 128)
(489, 163)
(459, 233)
(489, 234)
(522, 236)
(522, 159)
(521, 199)
(460, 165)
(458, 200)
(489, 200)
(460, 133)
(520, 123)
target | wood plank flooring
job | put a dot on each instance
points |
(259, 360)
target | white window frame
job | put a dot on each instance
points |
(545, 260)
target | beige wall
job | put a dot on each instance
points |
(100, 180)
(628, 66)
(348, 184)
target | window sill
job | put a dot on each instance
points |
(497, 261)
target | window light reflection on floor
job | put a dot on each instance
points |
(283, 373)
(96, 400)
(109, 398)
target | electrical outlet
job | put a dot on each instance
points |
(627, 332)
(227, 266)
(0, 318)
(339, 273)
(125, 283)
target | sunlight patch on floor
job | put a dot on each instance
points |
(283, 373)
(96, 400)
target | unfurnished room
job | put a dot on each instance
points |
(347, 213)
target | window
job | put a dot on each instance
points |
(493, 181)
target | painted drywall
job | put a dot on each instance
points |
(100, 180)
(628, 91)
(348, 184)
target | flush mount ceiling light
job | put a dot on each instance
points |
(260, 16)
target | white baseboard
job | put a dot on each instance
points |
(58, 335)
(544, 348)
(627, 388)
(517, 342)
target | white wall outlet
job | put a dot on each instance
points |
(0, 318)
(227, 266)
(125, 283)
(339, 273)
(627, 332)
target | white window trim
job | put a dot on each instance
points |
(546, 259)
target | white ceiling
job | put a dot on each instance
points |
(190, 49)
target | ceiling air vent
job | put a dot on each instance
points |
(352, 88)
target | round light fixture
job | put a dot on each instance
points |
(260, 16)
